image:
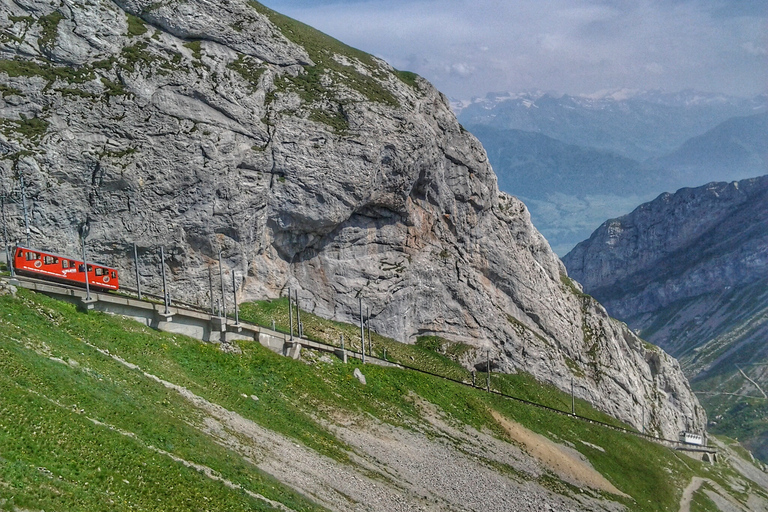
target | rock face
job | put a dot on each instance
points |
(205, 126)
(682, 245)
(690, 272)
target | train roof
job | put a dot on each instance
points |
(62, 256)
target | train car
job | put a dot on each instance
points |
(691, 438)
(63, 269)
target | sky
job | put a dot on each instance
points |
(468, 48)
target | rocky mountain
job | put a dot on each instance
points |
(203, 126)
(689, 271)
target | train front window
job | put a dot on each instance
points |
(114, 274)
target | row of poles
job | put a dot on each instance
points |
(221, 303)
(365, 322)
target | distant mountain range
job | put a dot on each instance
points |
(576, 161)
(689, 272)
(635, 124)
(737, 147)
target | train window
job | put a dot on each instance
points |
(81, 268)
(114, 274)
(49, 260)
(64, 263)
(31, 256)
(90, 268)
(99, 271)
(20, 253)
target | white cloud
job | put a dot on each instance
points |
(468, 48)
(752, 49)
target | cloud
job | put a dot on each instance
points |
(461, 69)
(752, 49)
(468, 48)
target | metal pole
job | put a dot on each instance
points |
(368, 323)
(24, 206)
(221, 278)
(136, 264)
(342, 342)
(488, 370)
(362, 331)
(210, 289)
(165, 289)
(573, 400)
(5, 237)
(85, 267)
(234, 295)
(5, 229)
(299, 328)
(290, 311)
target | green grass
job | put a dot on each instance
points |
(24, 68)
(55, 457)
(51, 402)
(49, 25)
(136, 26)
(249, 70)
(6, 90)
(701, 502)
(31, 129)
(324, 102)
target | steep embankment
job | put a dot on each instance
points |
(100, 412)
(204, 125)
(690, 272)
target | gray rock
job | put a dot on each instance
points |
(359, 376)
(345, 180)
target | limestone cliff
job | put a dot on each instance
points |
(201, 125)
(690, 271)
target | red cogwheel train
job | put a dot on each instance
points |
(55, 267)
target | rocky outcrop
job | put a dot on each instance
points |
(682, 245)
(689, 271)
(205, 127)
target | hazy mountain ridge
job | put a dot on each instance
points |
(737, 146)
(573, 187)
(689, 271)
(634, 124)
(202, 126)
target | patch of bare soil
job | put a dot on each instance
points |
(566, 462)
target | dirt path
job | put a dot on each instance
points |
(560, 459)
(687, 497)
(723, 499)
(752, 381)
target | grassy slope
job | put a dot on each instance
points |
(55, 457)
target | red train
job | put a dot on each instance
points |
(63, 269)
